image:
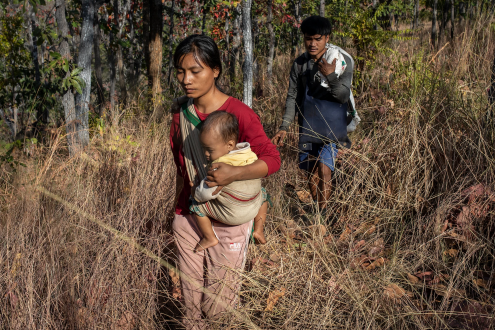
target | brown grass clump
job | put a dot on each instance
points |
(410, 245)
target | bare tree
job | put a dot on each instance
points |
(146, 34)
(119, 11)
(322, 8)
(227, 36)
(84, 62)
(205, 10)
(452, 19)
(171, 43)
(64, 50)
(434, 24)
(41, 114)
(248, 50)
(416, 13)
(155, 47)
(295, 33)
(100, 96)
(112, 63)
(374, 3)
(271, 43)
(236, 44)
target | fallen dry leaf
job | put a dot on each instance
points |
(275, 257)
(480, 282)
(358, 245)
(413, 279)
(445, 226)
(345, 234)
(395, 292)
(451, 253)
(273, 297)
(476, 191)
(359, 261)
(425, 276)
(304, 197)
(377, 247)
(317, 230)
(126, 322)
(377, 263)
(439, 289)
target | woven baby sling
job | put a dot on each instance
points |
(238, 202)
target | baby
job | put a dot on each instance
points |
(238, 202)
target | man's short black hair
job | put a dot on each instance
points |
(314, 25)
(224, 123)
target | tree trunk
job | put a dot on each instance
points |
(227, 36)
(171, 43)
(271, 43)
(203, 25)
(255, 38)
(443, 23)
(236, 44)
(295, 32)
(248, 50)
(41, 111)
(68, 97)
(452, 19)
(322, 8)
(134, 57)
(146, 34)
(100, 96)
(119, 20)
(155, 46)
(112, 63)
(374, 3)
(434, 24)
(84, 62)
(416, 13)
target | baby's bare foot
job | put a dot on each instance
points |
(259, 237)
(205, 244)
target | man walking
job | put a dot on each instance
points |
(322, 99)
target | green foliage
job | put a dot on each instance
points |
(367, 27)
(14, 59)
(8, 158)
(61, 66)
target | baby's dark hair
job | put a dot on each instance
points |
(224, 123)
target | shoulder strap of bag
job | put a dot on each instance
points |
(351, 96)
(301, 70)
(194, 156)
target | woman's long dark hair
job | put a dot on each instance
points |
(204, 50)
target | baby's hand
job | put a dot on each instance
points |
(217, 191)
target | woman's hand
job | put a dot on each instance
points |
(279, 138)
(221, 174)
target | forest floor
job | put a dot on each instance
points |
(410, 244)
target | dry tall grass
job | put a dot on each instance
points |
(410, 247)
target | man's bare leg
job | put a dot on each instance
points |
(325, 185)
(313, 183)
(259, 225)
(209, 239)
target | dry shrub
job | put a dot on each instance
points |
(408, 246)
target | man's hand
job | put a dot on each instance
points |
(327, 68)
(279, 138)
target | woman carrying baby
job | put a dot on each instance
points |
(198, 64)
